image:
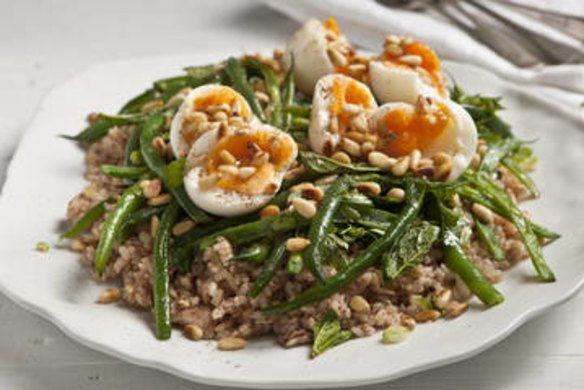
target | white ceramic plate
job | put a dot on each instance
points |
(47, 171)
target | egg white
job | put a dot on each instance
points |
(222, 202)
(459, 139)
(320, 116)
(397, 84)
(179, 146)
(307, 49)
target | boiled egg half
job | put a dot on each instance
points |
(341, 108)
(315, 50)
(207, 108)
(406, 69)
(432, 126)
(239, 172)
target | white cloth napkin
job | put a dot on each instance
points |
(365, 22)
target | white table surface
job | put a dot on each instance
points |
(42, 43)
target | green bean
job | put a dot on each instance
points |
(521, 175)
(271, 265)
(295, 263)
(366, 259)
(136, 219)
(255, 253)
(92, 215)
(160, 272)
(320, 226)
(236, 73)
(503, 202)
(135, 104)
(272, 88)
(132, 146)
(129, 201)
(152, 128)
(123, 172)
(298, 111)
(101, 126)
(300, 124)
(288, 92)
(457, 261)
(488, 237)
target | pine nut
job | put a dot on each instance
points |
(391, 39)
(228, 170)
(443, 298)
(482, 149)
(334, 125)
(324, 181)
(154, 222)
(153, 105)
(352, 109)
(182, 227)
(475, 162)
(359, 123)
(367, 147)
(355, 69)
(407, 321)
(427, 315)
(246, 172)
(337, 57)
(341, 157)
(151, 188)
(160, 146)
(454, 309)
(262, 97)
(313, 193)
(401, 166)
(415, 157)
(231, 343)
(110, 295)
(160, 200)
(270, 211)
(207, 182)
(482, 213)
(297, 244)
(369, 188)
(220, 116)
(381, 160)
(77, 245)
(411, 59)
(351, 147)
(396, 194)
(301, 186)
(260, 159)
(227, 158)
(193, 332)
(394, 50)
(304, 207)
(359, 304)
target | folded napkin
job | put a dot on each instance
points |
(366, 22)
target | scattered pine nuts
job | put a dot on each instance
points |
(77, 245)
(227, 158)
(351, 147)
(297, 244)
(341, 157)
(228, 169)
(110, 295)
(160, 200)
(193, 332)
(396, 194)
(246, 172)
(270, 211)
(359, 304)
(381, 160)
(427, 315)
(454, 309)
(415, 157)
(475, 162)
(482, 213)
(154, 222)
(367, 147)
(151, 188)
(369, 188)
(183, 227)
(304, 207)
(407, 321)
(231, 343)
(411, 59)
(160, 146)
(401, 166)
(313, 193)
(443, 298)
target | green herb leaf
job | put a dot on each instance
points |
(410, 249)
(328, 333)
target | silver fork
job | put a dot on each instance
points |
(522, 47)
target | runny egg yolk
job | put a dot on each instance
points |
(331, 25)
(347, 92)
(430, 62)
(246, 148)
(408, 130)
(221, 95)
